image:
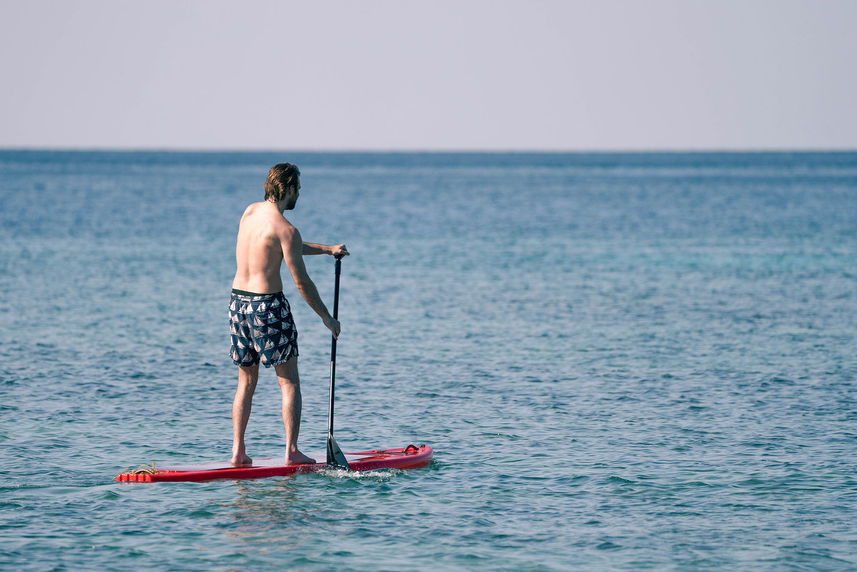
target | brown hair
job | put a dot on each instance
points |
(281, 178)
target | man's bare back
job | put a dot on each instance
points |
(266, 240)
(259, 248)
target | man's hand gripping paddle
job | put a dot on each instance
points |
(335, 457)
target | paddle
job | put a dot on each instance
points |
(335, 457)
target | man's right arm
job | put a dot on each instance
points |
(293, 257)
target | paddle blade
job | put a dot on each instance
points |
(335, 456)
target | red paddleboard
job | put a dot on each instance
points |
(410, 457)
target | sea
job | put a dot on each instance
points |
(623, 361)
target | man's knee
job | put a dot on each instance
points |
(287, 373)
(248, 376)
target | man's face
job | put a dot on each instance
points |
(293, 196)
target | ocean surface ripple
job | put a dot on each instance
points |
(622, 361)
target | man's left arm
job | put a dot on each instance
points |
(337, 250)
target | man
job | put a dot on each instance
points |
(261, 325)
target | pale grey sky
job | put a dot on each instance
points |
(447, 74)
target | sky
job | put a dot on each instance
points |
(531, 75)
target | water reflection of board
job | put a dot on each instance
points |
(410, 457)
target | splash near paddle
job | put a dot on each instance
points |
(410, 457)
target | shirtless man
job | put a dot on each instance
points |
(261, 324)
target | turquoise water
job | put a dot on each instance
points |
(623, 361)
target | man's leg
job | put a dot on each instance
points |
(290, 385)
(247, 378)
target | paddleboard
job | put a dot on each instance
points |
(410, 457)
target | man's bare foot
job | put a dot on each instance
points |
(298, 458)
(242, 461)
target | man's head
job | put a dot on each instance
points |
(283, 179)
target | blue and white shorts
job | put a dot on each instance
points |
(262, 329)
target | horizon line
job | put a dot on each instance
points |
(427, 150)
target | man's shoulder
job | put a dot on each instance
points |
(253, 208)
(249, 211)
(284, 228)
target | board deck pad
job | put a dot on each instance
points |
(410, 457)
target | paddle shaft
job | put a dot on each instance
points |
(333, 350)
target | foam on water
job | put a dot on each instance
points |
(377, 475)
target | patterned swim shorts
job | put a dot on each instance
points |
(262, 329)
